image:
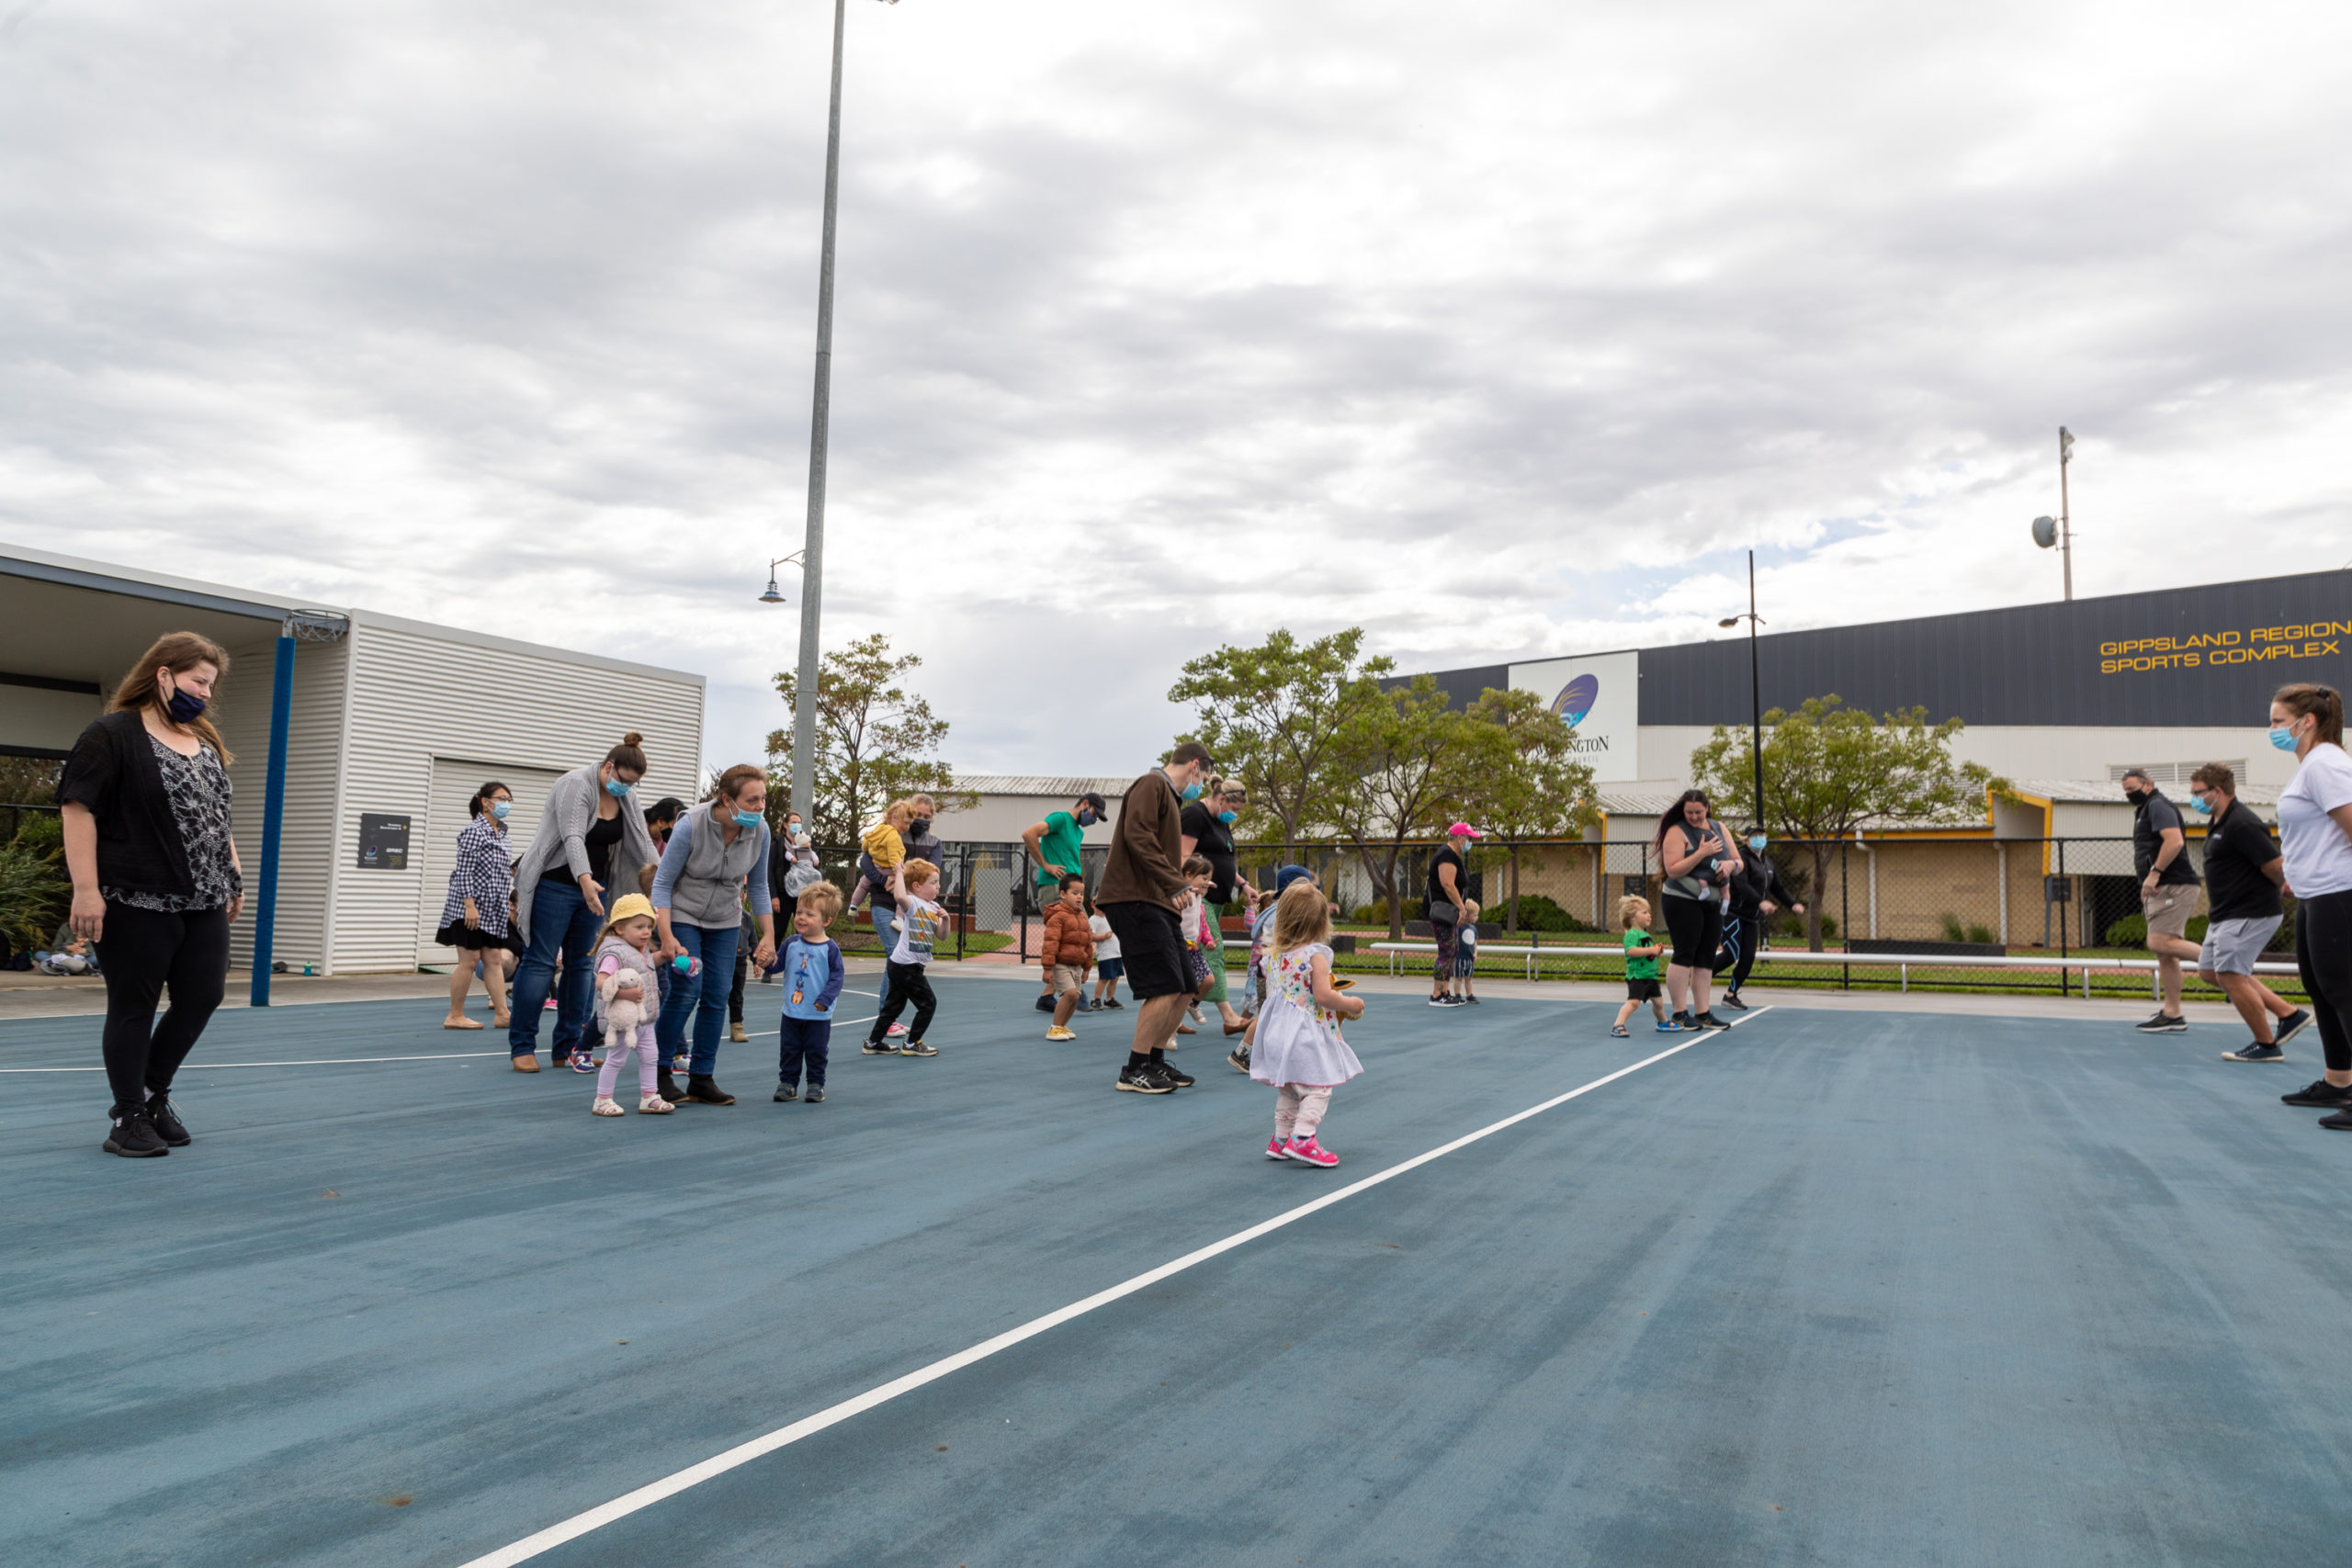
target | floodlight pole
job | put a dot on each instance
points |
(1755, 696)
(2065, 516)
(812, 546)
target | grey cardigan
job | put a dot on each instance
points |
(563, 830)
(703, 876)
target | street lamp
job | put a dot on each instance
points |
(812, 546)
(2059, 530)
(1755, 687)
(771, 596)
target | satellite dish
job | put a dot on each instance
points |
(2045, 532)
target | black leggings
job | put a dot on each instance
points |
(908, 983)
(1697, 927)
(1743, 934)
(141, 953)
(735, 996)
(2323, 954)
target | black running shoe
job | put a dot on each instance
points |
(133, 1137)
(785, 1091)
(816, 1095)
(1238, 1060)
(2254, 1052)
(2287, 1028)
(2339, 1122)
(1146, 1079)
(2162, 1023)
(2321, 1095)
(1175, 1074)
(917, 1048)
(1685, 1020)
(1709, 1021)
(879, 1048)
(1045, 1004)
(1114, 1002)
(167, 1121)
(1731, 1000)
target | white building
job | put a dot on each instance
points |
(389, 724)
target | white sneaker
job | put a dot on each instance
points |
(604, 1107)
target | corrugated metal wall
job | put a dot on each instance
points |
(414, 697)
(312, 759)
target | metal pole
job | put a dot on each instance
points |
(812, 545)
(2065, 514)
(273, 817)
(1755, 695)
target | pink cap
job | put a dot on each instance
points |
(1464, 830)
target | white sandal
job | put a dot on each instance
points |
(604, 1107)
(653, 1105)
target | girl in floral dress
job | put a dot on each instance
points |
(1297, 1046)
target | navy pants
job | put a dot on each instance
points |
(803, 1043)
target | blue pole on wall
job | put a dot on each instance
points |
(273, 817)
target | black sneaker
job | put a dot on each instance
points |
(2339, 1122)
(786, 1091)
(167, 1121)
(816, 1095)
(1684, 1020)
(1469, 1001)
(1045, 1004)
(133, 1137)
(1709, 1021)
(2255, 1052)
(879, 1048)
(1238, 1060)
(1731, 1000)
(2321, 1094)
(917, 1048)
(1174, 1074)
(2287, 1028)
(703, 1089)
(1440, 1002)
(2162, 1024)
(1115, 1002)
(1146, 1079)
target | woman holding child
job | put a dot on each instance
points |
(718, 848)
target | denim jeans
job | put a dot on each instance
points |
(562, 923)
(702, 997)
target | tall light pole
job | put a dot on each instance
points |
(812, 543)
(1755, 688)
(2060, 530)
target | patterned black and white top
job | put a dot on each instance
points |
(201, 794)
(483, 875)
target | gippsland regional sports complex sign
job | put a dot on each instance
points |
(2174, 658)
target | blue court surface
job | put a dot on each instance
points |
(1836, 1288)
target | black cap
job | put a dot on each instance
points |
(1095, 801)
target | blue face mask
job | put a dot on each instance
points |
(184, 709)
(615, 788)
(2199, 805)
(499, 809)
(1192, 791)
(747, 819)
(1756, 840)
(1086, 818)
(2283, 738)
(1227, 816)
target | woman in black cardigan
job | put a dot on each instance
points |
(145, 802)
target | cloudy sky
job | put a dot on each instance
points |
(1499, 328)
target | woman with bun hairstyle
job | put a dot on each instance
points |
(473, 917)
(717, 850)
(591, 837)
(144, 800)
(2315, 839)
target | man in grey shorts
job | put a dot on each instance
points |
(2244, 871)
(2167, 892)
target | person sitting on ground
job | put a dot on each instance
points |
(2167, 892)
(1069, 952)
(1055, 852)
(2243, 871)
(813, 976)
(66, 954)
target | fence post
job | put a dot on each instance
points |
(1022, 890)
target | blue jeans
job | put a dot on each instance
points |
(560, 923)
(706, 992)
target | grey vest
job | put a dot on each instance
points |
(709, 893)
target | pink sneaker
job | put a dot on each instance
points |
(1311, 1151)
(1274, 1149)
(898, 1029)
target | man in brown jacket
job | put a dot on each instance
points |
(1137, 896)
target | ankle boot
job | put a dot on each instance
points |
(667, 1087)
(702, 1087)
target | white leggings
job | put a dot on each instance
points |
(1299, 1106)
(648, 1056)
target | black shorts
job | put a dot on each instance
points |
(474, 939)
(1641, 990)
(1697, 927)
(1151, 945)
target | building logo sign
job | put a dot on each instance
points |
(1600, 697)
(2250, 645)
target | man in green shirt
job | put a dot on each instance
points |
(1053, 853)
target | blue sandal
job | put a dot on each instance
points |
(1617, 1032)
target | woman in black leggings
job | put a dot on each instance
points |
(156, 884)
(2315, 838)
(1698, 861)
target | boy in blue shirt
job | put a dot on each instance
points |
(813, 976)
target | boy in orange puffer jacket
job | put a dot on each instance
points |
(1069, 954)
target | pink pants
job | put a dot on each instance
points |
(648, 1054)
(1299, 1106)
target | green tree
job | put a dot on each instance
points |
(1830, 770)
(1526, 783)
(876, 742)
(1401, 760)
(1273, 716)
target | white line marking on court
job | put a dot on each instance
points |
(809, 1425)
(321, 1062)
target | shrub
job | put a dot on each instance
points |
(34, 893)
(1376, 912)
(40, 830)
(1538, 912)
(1953, 930)
(1792, 925)
(1982, 935)
(2131, 930)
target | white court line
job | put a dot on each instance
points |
(809, 1425)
